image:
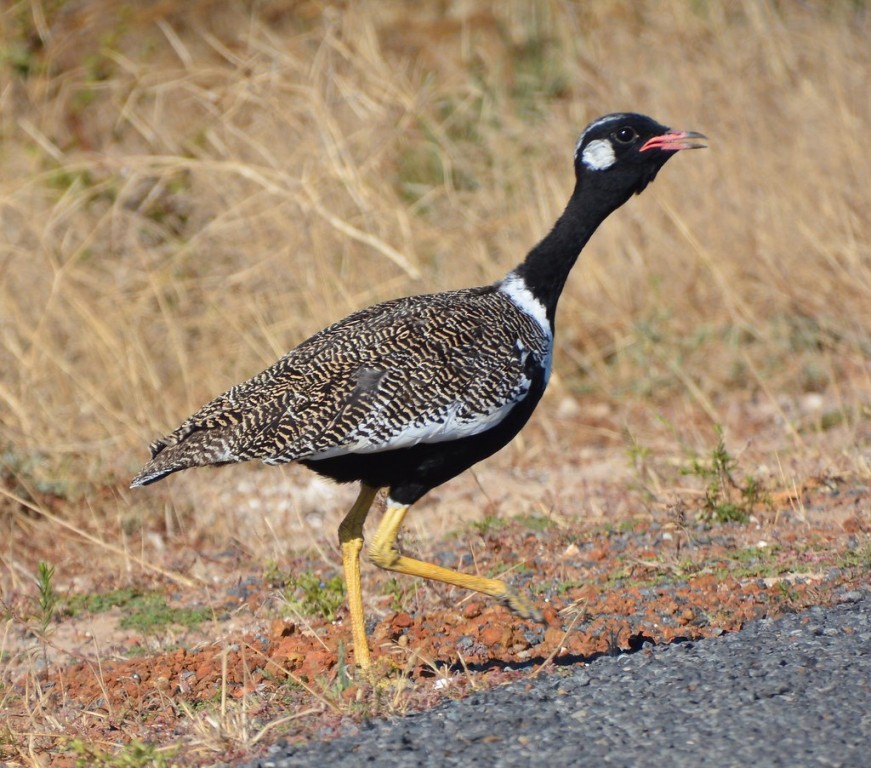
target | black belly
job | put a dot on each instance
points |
(410, 472)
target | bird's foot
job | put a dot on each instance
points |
(521, 605)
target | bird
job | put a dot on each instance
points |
(407, 394)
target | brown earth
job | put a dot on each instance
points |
(258, 665)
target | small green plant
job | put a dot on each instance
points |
(398, 590)
(150, 613)
(788, 592)
(343, 681)
(48, 598)
(536, 523)
(758, 562)
(488, 524)
(725, 499)
(136, 754)
(638, 454)
(98, 603)
(309, 594)
(146, 612)
(566, 586)
(273, 575)
(858, 557)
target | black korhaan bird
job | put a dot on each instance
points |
(407, 394)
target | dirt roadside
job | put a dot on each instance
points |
(227, 652)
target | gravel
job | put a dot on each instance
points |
(793, 691)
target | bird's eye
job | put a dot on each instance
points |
(625, 135)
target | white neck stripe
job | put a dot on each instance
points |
(515, 288)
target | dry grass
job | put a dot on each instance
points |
(187, 194)
(187, 190)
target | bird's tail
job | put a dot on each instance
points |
(197, 449)
(164, 461)
(153, 471)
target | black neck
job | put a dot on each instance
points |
(547, 266)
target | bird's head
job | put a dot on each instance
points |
(624, 151)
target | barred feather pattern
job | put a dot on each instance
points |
(428, 368)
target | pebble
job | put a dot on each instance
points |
(853, 596)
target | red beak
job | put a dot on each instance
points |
(674, 141)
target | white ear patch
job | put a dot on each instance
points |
(598, 155)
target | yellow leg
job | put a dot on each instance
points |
(383, 553)
(351, 541)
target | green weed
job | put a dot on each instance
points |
(310, 594)
(399, 591)
(788, 592)
(136, 754)
(146, 612)
(638, 454)
(757, 562)
(489, 524)
(47, 604)
(725, 499)
(566, 586)
(274, 576)
(100, 603)
(535, 522)
(150, 613)
(48, 597)
(859, 557)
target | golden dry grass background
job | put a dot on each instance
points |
(187, 190)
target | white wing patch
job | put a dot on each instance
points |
(598, 155)
(449, 426)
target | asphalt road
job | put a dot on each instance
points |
(795, 691)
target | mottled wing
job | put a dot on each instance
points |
(420, 369)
